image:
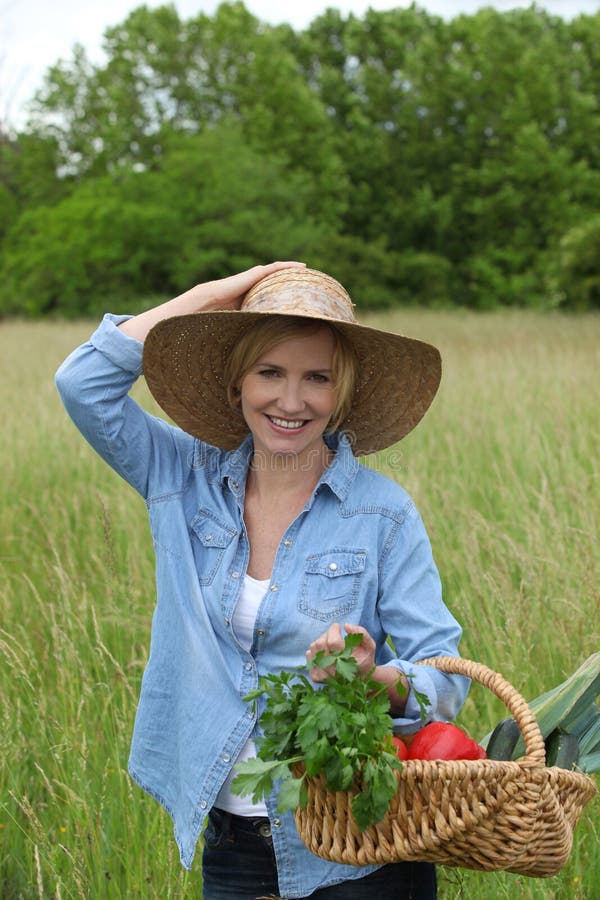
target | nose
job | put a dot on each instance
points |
(291, 399)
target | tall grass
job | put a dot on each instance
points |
(503, 471)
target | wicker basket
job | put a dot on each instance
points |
(482, 814)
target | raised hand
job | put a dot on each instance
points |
(223, 293)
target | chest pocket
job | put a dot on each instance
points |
(331, 583)
(210, 538)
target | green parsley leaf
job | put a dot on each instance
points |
(256, 777)
(289, 794)
(341, 729)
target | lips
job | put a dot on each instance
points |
(290, 424)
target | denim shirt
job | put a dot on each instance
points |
(358, 552)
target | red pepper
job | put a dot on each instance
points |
(443, 740)
(401, 748)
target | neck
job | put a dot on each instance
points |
(287, 473)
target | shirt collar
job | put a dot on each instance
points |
(339, 475)
(342, 470)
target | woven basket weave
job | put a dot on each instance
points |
(518, 816)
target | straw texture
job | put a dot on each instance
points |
(184, 359)
(490, 815)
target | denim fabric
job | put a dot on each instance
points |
(238, 863)
(238, 860)
(358, 552)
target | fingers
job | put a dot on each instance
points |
(333, 639)
(364, 654)
(228, 293)
(367, 645)
(319, 675)
(350, 628)
(280, 264)
(252, 276)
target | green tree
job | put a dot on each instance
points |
(417, 159)
(164, 75)
(575, 279)
(213, 203)
(27, 175)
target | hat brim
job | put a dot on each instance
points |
(184, 360)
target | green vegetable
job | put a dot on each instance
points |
(341, 729)
(562, 749)
(503, 739)
(572, 707)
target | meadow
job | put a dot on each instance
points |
(503, 470)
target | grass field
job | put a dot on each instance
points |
(504, 472)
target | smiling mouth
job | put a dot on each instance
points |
(290, 424)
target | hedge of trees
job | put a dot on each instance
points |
(416, 159)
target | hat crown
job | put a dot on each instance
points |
(300, 292)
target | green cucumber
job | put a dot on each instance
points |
(503, 740)
(562, 749)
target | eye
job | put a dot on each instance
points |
(268, 373)
(319, 378)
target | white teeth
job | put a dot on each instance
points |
(285, 423)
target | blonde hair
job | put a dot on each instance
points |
(263, 336)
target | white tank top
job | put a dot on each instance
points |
(244, 618)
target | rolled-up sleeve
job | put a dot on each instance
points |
(419, 623)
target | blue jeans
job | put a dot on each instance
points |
(238, 863)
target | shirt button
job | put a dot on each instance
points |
(260, 632)
(226, 757)
(235, 574)
(236, 484)
(203, 804)
(248, 666)
(227, 622)
(333, 566)
(274, 587)
(276, 822)
(209, 537)
(287, 543)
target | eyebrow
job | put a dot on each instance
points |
(268, 365)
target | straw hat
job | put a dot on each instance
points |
(184, 359)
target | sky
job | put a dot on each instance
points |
(34, 34)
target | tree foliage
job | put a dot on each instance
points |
(416, 159)
(211, 203)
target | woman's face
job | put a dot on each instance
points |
(288, 395)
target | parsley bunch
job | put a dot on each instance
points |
(341, 729)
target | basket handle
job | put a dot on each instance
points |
(535, 752)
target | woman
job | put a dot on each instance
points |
(271, 543)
